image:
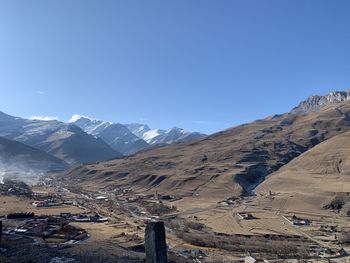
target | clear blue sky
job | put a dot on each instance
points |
(201, 65)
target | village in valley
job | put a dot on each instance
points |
(72, 222)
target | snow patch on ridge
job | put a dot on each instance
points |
(149, 135)
(44, 118)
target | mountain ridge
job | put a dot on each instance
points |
(316, 102)
(233, 161)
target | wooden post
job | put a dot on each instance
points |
(155, 243)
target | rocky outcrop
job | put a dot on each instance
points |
(316, 102)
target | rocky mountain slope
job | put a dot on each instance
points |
(120, 138)
(317, 102)
(116, 135)
(226, 163)
(175, 135)
(65, 141)
(159, 136)
(143, 131)
(88, 125)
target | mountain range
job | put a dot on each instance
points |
(240, 159)
(159, 136)
(51, 145)
(131, 138)
(231, 162)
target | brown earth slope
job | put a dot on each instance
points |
(319, 178)
(223, 164)
(326, 167)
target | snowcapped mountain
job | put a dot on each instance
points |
(176, 135)
(138, 129)
(120, 138)
(65, 141)
(130, 138)
(151, 134)
(316, 102)
(144, 132)
(116, 135)
(91, 126)
(158, 136)
(82, 140)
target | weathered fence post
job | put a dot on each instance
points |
(155, 243)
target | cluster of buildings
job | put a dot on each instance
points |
(51, 229)
(46, 203)
(15, 188)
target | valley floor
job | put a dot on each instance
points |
(198, 227)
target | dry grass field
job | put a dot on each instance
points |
(14, 204)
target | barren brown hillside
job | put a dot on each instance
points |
(316, 181)
(320, 174)
(223, 164)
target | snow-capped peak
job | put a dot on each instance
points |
(77, 117)
(149, 135)
(89, 125)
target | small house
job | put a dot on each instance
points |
(245, 216)
(300, 221)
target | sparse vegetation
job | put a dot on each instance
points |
(282, 247)
(344, 237)
(155, 208)
(338, 202)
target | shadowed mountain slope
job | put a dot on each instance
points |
(120, 138)
(19, 155)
